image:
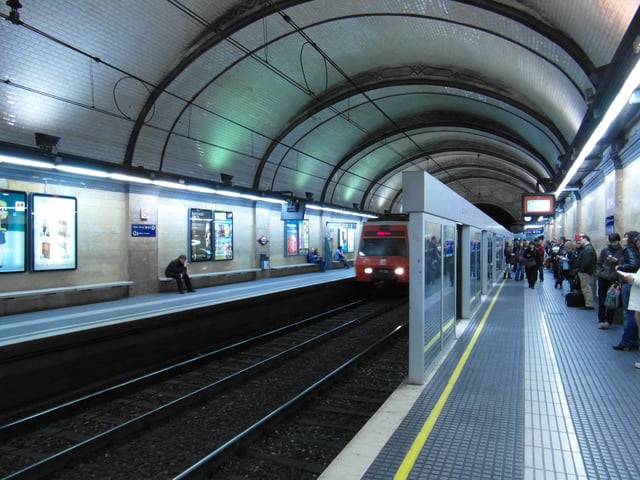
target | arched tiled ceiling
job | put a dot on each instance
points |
(341, 102)
(334, 98)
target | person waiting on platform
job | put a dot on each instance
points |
(339, 257)
(606, 276)
(585, 267)
(629, 263)
(178, 269)
(314, 257)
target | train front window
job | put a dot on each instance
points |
(384, 247)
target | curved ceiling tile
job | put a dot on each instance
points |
(445, 154)
(361, 127)
(336, 98)
(597, 26)
(451, 37)
(454, 168)
(306, 68)
(370, 112)
(94, 70)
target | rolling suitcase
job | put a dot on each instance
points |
(574, 299)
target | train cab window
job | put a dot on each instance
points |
(384, 247)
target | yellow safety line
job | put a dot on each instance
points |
(410, 458)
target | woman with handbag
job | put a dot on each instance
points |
(606, 276)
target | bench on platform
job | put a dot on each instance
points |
(338, 264)
(46, 298)
(293, 269)
(211, 279)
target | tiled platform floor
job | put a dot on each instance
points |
(542, 395)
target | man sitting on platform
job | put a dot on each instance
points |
(177, 269)
(338, 256)
(314, 257)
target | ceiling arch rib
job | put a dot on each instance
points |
(451, 163)
(488, 168)
(386, 140)
(390, 150)
(474, 80)
(546, 58)
(182, 150)
(537, 129)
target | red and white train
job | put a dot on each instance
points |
(383, 254)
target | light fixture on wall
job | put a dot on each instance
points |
(47, 143)
(226, 179)
(14, 14)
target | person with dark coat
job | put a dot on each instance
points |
(314, 257)
(585, 266)
(338, 256)
(629, 263)
(178, 269)
(606, 276)
(532, 261)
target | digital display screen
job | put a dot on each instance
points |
(538, 205)
(385, 233)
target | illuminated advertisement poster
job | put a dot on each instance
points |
(296, 235)
(303, 237)
(342, 234)
(54, 232)
(223, 231)
(200, 225)
(13, 231)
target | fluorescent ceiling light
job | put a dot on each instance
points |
(164, 183)
(623, 96)
(249, 196)
(168, 184)
(82, 171)
(342, 212)
(23, 162)
(129, 178)
(196, 188)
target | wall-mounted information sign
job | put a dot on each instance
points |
(143, 230)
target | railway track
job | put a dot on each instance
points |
(159, 425)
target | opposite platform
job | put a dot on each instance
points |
(30, 326)
(530, 390)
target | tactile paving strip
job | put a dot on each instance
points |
(480, 432)
(542, 396)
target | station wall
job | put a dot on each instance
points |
(611, 203)
(108, 252)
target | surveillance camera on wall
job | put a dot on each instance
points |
(44, 140)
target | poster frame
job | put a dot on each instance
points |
(200, 247)
(13, 227)
(223, 235)
(53, 217)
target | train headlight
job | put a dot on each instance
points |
(399, 271)
(368, 270)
